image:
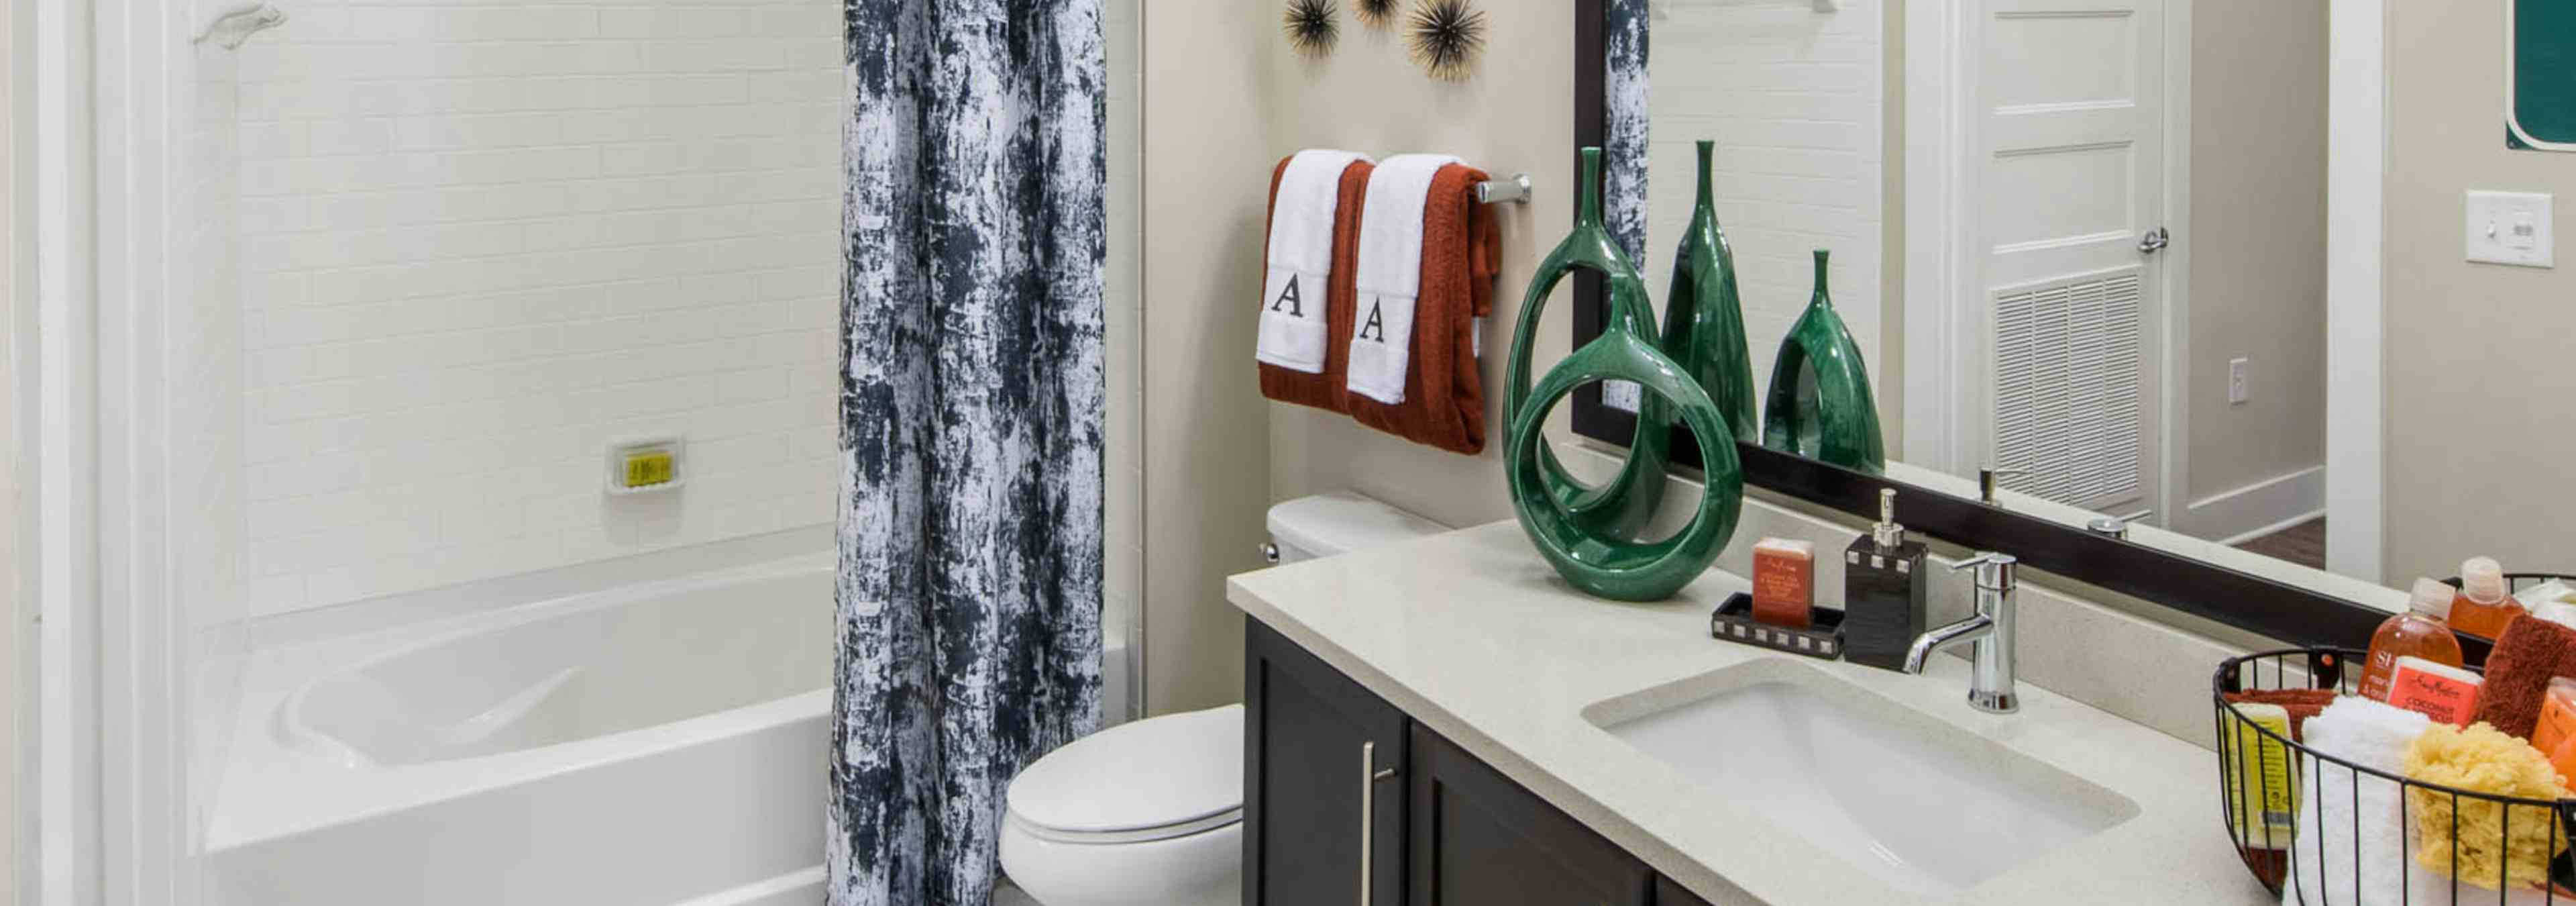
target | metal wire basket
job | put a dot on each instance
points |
(2334, 845)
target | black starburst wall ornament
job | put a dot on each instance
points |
(1374, 13)
(1313, 26)
(1446, 37)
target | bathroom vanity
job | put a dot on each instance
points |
(1446, 722)
(1344, 791)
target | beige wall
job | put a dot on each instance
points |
(1204, 435)
(2478, 365)
(2258, 244)
(1225, 100)
(1516, 115)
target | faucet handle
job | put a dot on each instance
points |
(1995, 571)
(1986, 482)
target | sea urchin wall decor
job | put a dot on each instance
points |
(1446, 37)
(1374, 13)
(1312, 26)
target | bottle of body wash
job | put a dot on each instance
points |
(2482, 606)
(2416, 633)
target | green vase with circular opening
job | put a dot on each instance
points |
(1590, 534)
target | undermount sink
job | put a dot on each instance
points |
(1922, 805)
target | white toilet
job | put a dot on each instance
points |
(1150, 813)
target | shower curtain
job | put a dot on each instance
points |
(1626, 23)
(969, 590)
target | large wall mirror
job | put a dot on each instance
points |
(2129, 255)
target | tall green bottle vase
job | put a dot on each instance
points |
(1704, 315)
(1820, 404)
(1588, 534)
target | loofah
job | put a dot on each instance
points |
(2483, 759)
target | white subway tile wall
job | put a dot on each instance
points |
(482, 240)
(1792, 97)
(206, 375)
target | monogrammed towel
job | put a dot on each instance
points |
(1294, 328)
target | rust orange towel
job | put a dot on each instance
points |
(2519, 670)
(1444, 395)
(1324, 390)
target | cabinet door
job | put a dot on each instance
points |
(1323, 806)
(1668, 893)
(1478, 839)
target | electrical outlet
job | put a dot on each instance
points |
(2237, 391)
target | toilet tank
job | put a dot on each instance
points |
(1326, 524)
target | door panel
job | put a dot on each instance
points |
(1668, 893)
(1478, 839)
(2071, 145)
(1306, 728)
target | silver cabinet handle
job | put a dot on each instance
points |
(1369, 776)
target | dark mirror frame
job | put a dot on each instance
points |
(2274, 609)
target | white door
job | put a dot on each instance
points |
(2067, 127)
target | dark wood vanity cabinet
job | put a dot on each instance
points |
(1668, 893)
(1441, 828)
(1317, 818)
(1475, 838)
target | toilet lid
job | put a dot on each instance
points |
(1178, 769)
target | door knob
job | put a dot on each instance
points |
(2154, 241)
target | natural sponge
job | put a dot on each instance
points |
(2483, 759)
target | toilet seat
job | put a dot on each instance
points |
(1157, 779)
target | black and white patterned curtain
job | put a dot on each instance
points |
(1626, 26)
(969, 592)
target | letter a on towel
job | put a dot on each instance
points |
(1294, 328)
(1390, 274)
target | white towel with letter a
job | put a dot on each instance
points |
(1390, 274)
(1294, 330)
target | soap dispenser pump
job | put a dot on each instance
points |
(1883, 591)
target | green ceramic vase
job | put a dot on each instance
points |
(1588, 534)
(1820, 405)
(1704, 316)
(1620, 509)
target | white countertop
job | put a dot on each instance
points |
(1473, 635)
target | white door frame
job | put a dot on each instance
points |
(111, 825)
(1939, 38)
(2356, 188)
(1943, 48)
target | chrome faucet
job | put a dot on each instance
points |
(1990, 687)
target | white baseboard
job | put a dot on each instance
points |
(2257, 509)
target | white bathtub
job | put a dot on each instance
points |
(661, 743)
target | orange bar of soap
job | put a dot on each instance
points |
(2442, 692)
(1784, 582)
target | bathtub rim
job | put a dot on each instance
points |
(269, 789)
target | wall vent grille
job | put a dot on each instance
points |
(2068, 391)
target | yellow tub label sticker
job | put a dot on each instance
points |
(648, 468)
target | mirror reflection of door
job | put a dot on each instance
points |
(2069, 142)
(2095, 231)
(2143, 185)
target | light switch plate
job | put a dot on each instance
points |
(2512, 228)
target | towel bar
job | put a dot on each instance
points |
(1515, 190)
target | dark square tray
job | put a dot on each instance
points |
(1734, 622)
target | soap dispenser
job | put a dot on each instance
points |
(1883, 592)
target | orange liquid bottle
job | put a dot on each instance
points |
(2482, 606)
(2416, 633)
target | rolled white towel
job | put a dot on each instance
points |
(2339, 823)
